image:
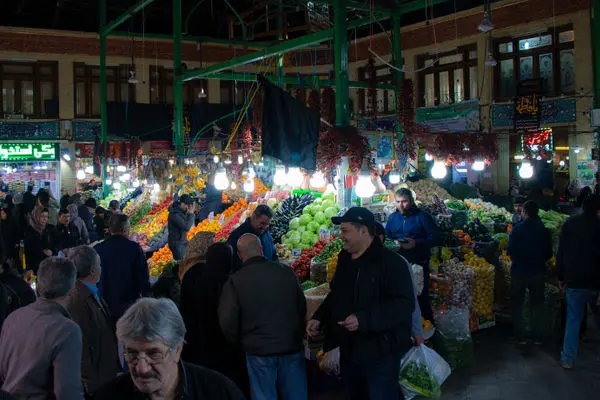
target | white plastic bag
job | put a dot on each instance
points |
(422, 373)
(330, 362)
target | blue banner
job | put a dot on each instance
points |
(28, 130)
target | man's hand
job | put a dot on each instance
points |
(47, 252)
(350, 323)
(410, 244)
(419, 340)
(313, 327)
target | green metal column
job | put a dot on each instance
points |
(103, 95)
(280, 57)
(340, 45)
(596, 57)
(178, 81)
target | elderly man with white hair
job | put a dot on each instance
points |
(40, 346)
(152, 334)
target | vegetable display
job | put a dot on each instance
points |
(425, 189)
(487, 212)
(483, 287)
(289, 208)
(461, 276)
(477, 231)
(304, 231)
(332, 266)
(331, 249)
(302, 265)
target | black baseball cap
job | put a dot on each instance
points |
(358, 215)
(186, 199)
(519, 200)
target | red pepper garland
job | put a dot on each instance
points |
(372, 89)
(314, 101)
(407, 145)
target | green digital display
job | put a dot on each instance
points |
(28, 152)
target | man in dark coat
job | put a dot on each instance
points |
(29, 199)
(257, 224)
(529, 247)
(181, 219)
(125, 275)
(86, 213)
(418, 233)
(100, 360)
(578, 264)
(368, 312)
(68, 234)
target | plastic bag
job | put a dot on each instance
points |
(422, 373)
(417, 271)
(453, 337)
(330, 362)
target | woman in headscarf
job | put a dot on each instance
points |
(200, 293)
(40, 239)
(169, 282)
(73, 210)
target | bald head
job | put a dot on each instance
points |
(249, 246)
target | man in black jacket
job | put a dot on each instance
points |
(263, 306)
(152, 333)
(181, 220)
(578, 264)
(68, 234)
(368, 311)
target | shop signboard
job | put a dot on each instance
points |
(28, 152)
(160, 145)
(586, 173)
(458, 117)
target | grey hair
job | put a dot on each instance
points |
(56, 277)
(85, 258)
(151, 319)
(250, 245)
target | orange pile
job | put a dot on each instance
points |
(164, 254)
(259, 187)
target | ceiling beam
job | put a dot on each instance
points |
(106, 29)
(357, 5)
(415, 5)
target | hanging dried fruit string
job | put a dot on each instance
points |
(372, 89)
(314, 101)
(406, 147)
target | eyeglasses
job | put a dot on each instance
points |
(152, 357)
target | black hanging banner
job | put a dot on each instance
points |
(290, 131)
(527, 108)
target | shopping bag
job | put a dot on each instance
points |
(330, 362)
(422, 373)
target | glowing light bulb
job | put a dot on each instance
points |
(439, 170)
(233, 185)
(136, 183)
(216, 159)
(295, 177)
(280, 176)
(478, 166)
(240, 159)
(428, 157)
(394, 177)
(364, 185)
(109, 181)
(156, 187)
(221, 182)
(249, 185)
(121, 168)
(116, 185)
(89, 169)
(526, 170)
(80, 174)
(317, 180)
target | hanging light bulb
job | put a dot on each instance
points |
(317, 180)
(250, 170)
(478, 166)
(227, 160)
(486, 24)
(202, 94)
(240, 159)
(132, 79)
(89, 169)
(145, 181)
(439, 170)
(116, 185)
(490, 61)
(295, 177)
(364, 185)
(109, 181)
(428, 157)
(126, 177)
(121, 168)
(280, 176)
(561, 163)
(394, 177)
(67, 156)
(249, 185)
(526, 170)
(216, 159)
(330, 188)
(136, 183)
(233, 185)
(156, 187)
(80, 174)
(221, 182)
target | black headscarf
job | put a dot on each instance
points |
(219, 259)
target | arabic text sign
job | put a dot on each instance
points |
(459, 117)
(28, 151)
(527, 113)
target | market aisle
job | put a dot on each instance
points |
(503, 371)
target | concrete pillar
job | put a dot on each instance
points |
(66, 88)
(67, 170)
(214, 91)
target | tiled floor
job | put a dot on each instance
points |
(503, 370)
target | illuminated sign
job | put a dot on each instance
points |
(28, 151)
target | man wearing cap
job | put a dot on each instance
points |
(181, 220)
(368, 311)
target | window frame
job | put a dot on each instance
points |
(36, 78)
(388, 108)
(165, 80)
(88, 79)
(554, 48)
(465, 64)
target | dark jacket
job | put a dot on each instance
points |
(41, 353)
(266, 240)
(87, 217)
(20, 219)
(10, 237)
(29, 201)
(263, 306)
(529, 247)
(578, 256)
(516, 218)
(417, 225)
(179, 223)
(125, 275)
(14, 289)
(100, 226)
(36, 242)
(100, 360)
(377, 288)
(168, 285)
(199, 383)
(68, 236)
(212, 203)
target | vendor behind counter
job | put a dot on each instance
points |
(213, 201)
